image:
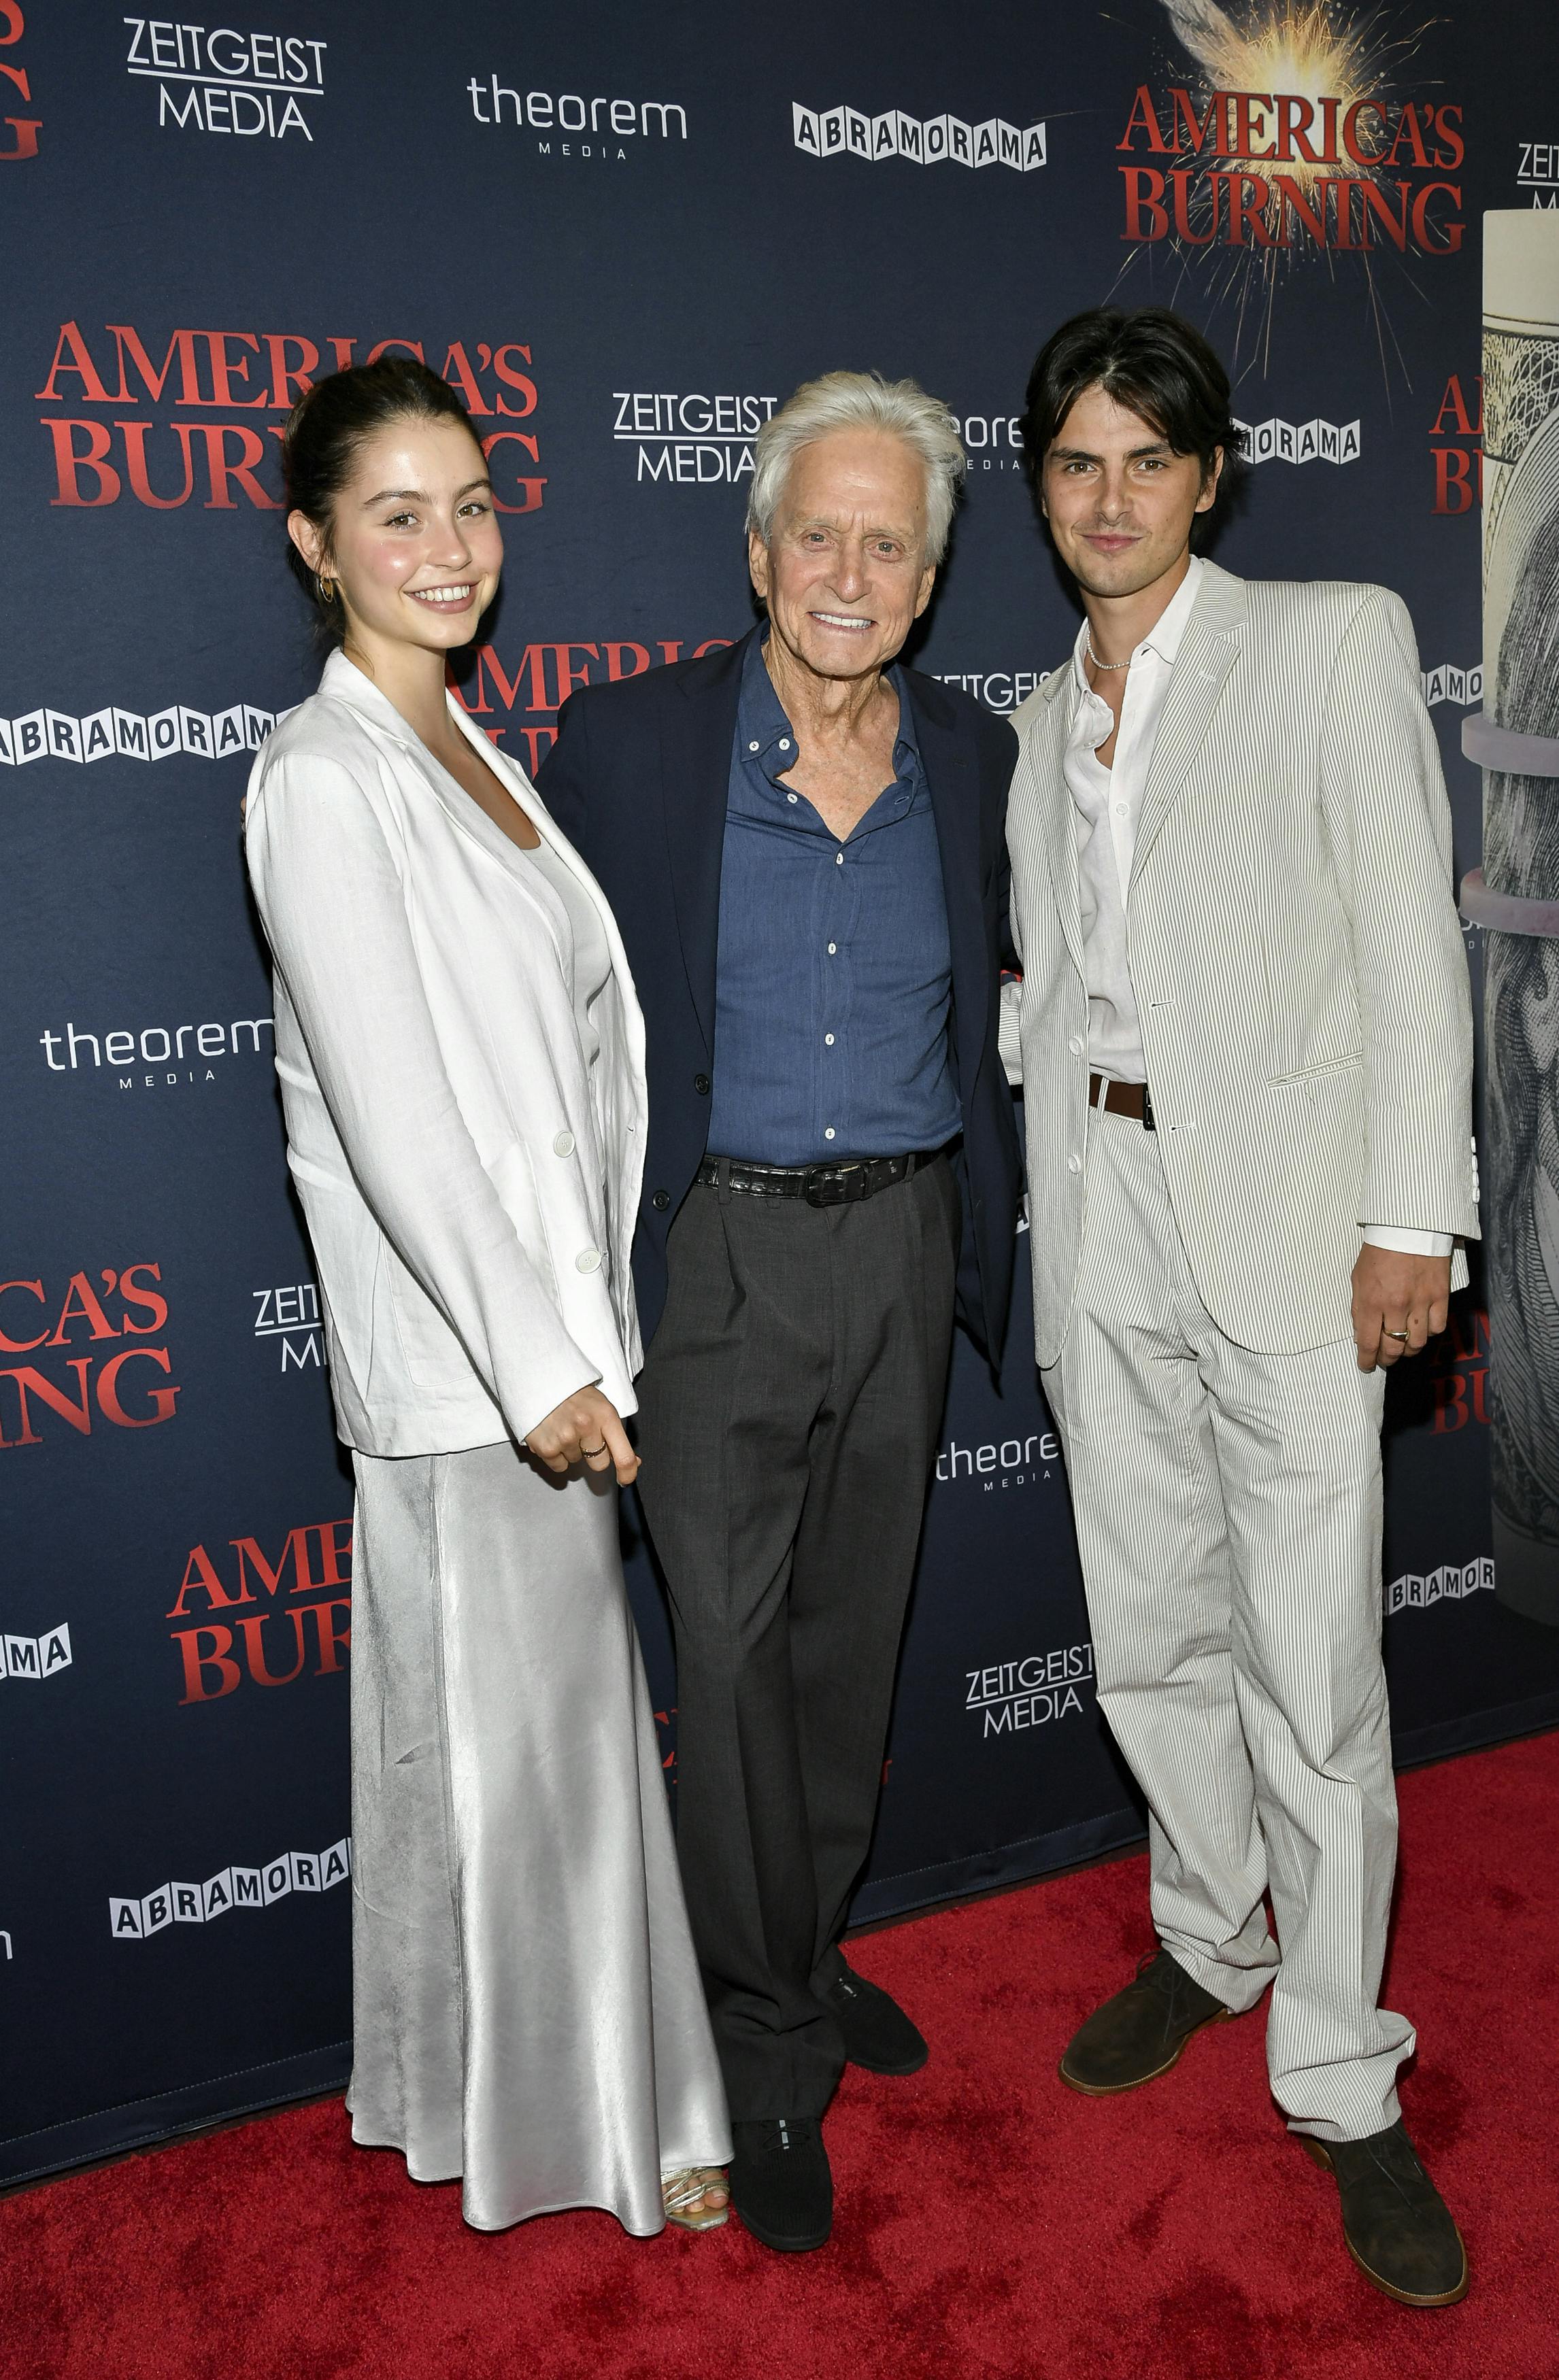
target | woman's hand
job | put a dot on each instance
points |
(586, 1427)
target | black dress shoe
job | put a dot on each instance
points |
(878, 2034)
(1397, 2227)
(780, 2182)
(1142, 2032)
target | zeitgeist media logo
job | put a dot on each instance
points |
(1013, 1695)
(223, 79)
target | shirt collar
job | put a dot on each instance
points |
(1163, 638)
(762, 725)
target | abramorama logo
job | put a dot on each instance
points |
(1300, 442)
(1451, 1583)
(927, 140)
(114, 735)
(231, 1887)
(1013, 1695)
(225, 80)
(1448, 684)
(36, 1657)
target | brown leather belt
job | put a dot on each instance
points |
(1122, 1098)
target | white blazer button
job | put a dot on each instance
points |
(563, 1145)
(1073, 1164)
(1076, 1045)
(588, 1260)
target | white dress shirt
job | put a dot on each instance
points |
(1106, 803)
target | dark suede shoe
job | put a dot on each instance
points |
(1142, 2032)
(878, 2036)
(1397, 2227)
(780, 2182)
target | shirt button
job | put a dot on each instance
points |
(1074, 1163)
(563, 1145)
(1120, 809)
(701, 1084)
(785, 746)
(839, 862)
(752, 747)
(661, 1201)
(1076, 1045)
(832, 948)
(790, 798)
(829, 1039)
(588, 1260)
(828, 1134)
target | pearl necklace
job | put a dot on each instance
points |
(1088, 639)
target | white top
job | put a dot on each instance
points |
(1106, 803)
(590, 960)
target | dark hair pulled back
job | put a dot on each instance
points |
(324, 431)
(1154, 363)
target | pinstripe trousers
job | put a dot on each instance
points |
(1228, 1516)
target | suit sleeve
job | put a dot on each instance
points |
(330, 894)
(562, 778)
(1390, 837)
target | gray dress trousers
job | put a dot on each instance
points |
(527, 2005)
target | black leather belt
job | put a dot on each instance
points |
(1122, 1098)
(843, 1185)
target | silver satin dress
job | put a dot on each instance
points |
(528, 2010)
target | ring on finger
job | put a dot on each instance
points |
(1403, 1335)
(589, 1450)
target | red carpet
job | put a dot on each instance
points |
(990, 2223)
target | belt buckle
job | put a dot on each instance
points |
(835, 1185)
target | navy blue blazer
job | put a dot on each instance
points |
(638, 781)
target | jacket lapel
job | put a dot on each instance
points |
(1052, 804)
(1209, 651)
(698, 729)
(951, 767)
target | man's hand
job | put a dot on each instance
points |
(1399, 1302)
(586, 1427)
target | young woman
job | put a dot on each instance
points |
(461, 1063)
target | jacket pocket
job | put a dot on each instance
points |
(1326, 1067)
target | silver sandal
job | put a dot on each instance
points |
(681, 2192)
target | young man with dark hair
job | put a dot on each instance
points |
(1246, 1036)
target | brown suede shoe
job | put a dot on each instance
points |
(1398, 2228)
(1141, 2033)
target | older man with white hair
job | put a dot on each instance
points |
(803, 843)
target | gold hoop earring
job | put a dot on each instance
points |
(326, 588)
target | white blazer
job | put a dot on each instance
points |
(1295, 954)
(441, 1127)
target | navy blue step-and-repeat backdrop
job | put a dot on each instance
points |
(625, 234)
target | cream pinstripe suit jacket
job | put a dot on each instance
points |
(1295, 953)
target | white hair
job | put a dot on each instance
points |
(848, 400)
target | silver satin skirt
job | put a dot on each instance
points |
(526, 2002)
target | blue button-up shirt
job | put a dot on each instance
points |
(834, 978)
